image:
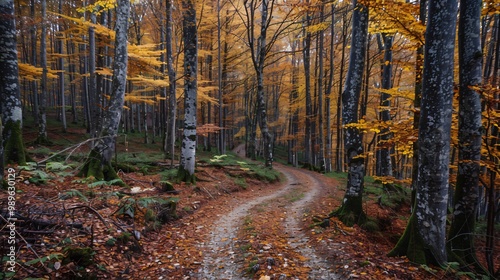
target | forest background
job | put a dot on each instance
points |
(272, 74)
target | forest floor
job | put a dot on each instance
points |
(229, 225)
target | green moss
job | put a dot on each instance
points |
(411, 244)
(80, 256)
(351, 212)
(184, 176)
(371, 225)
(14, 146)
(96, 167)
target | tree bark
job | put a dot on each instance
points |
(429, 216)
(10, 97)
(98, 163)
(306, 55)
(461, 239)
(261, 100)
(172, 100)
(188, 151)
(351, 212)
(42, 115)
(385, 168)
(60, 47)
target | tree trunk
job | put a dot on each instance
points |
(10, 97)
(92, 91)
(34, 84)
(261, 100)
(339, 163)
(306, 53)
(328, 91)
(222, 140)
(461, 234)
(98, 163)
(321, 128)
(188, 152)
(351, 212)
(60, 50)
(385, 167)
(42, 115)
(172, 100)
(428, 222)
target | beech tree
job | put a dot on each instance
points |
(10, 98)
(351, 212)
(188, 150)
(424, 240)
(98, 163)
(461, 239)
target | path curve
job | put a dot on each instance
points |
(219, 250)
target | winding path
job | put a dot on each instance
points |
(220, 262)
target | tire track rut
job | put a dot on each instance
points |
(220, 260)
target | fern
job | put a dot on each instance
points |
(39, 177)
(54, 256)
(30, 166)
(106, 183)
(127, 207)
(56, 166)
(146, 201)
(73, 193)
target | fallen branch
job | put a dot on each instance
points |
(74, 147)
(91, 209)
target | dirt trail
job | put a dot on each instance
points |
(220, 259)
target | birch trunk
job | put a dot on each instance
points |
(10, 97)
(188, 150)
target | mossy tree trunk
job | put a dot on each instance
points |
(411, 244)
(461, 240)
(98, 163)
(188, 150)
(428, 222)
(351, 212)
(10, 98)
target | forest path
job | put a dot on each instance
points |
(300, 189)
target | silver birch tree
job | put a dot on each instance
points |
(188, 149)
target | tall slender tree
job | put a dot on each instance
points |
(42, 114)
(190, 35)
(98, 163)
(172, 100)
(351, 212)
(10, 97)
(384, 164)
(424, 239)
(461, 240)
